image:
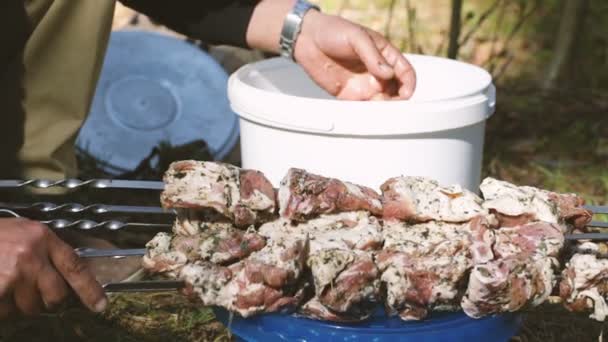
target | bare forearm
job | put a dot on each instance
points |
(265, 25)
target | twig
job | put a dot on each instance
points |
(455, 29)
(389, 21)
(482, 18)
(501, 16)
(411, 20)
(525, 15)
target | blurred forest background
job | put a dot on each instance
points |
(555, 43)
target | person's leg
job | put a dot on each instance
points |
(62, 60)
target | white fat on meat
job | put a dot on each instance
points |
(536, 239)
(420, 199)
(211, 283)
(278, 253)
(424, 265)
(508, 285)
(348, 230)
(513, 200)
(207, 184)
(160, 258)
(432, 279)
(327, 264)
(440, 238)
(586, 280)
(190, 222)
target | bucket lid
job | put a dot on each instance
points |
(278, 93)
(156, 88)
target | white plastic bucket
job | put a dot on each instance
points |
(286, 120)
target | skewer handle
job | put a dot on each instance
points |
(109, 253)
(145, 286)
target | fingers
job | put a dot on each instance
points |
(7, 307)
(370, 55)
(77, 275)
(404, 71)
(27, 298)
(52, 287)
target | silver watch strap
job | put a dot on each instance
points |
(292, 26)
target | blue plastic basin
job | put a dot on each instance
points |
(448, 327)
(154, 88)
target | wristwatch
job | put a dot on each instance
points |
(292, 26)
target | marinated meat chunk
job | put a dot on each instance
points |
(245, 196)
(516, 205)
(584, 285)
(219, 246)
(314, 309)
(522, 273)
(425, 266)
(232, 289)
(532, 240)
(304, 195)
(191, 222)
(344, 280)
(263, 282)
(419, 199)
(161, 258)
(281, 262)
(416, 285)
(350, 230)
(438, 238)
(507, 285)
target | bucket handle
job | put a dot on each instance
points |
(491, 94)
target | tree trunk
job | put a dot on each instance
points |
(455, 29)
(569, 26)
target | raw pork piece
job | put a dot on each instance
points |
(522, 273)
(160, 258)
(515, 205)
(584, 284)
(510, 284)
(266, 281)
(419, 199)
(350, 230)
(304, 195)
(220, 246)
(345, 278)
(191, 222)
(346, 282)
(425, 266)
(245, 196)
(536, 239)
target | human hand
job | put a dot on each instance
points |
(37, 270)
(352, 62)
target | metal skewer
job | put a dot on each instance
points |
(111, 225)
(597, 209)
(93, 209)
(77, 183)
